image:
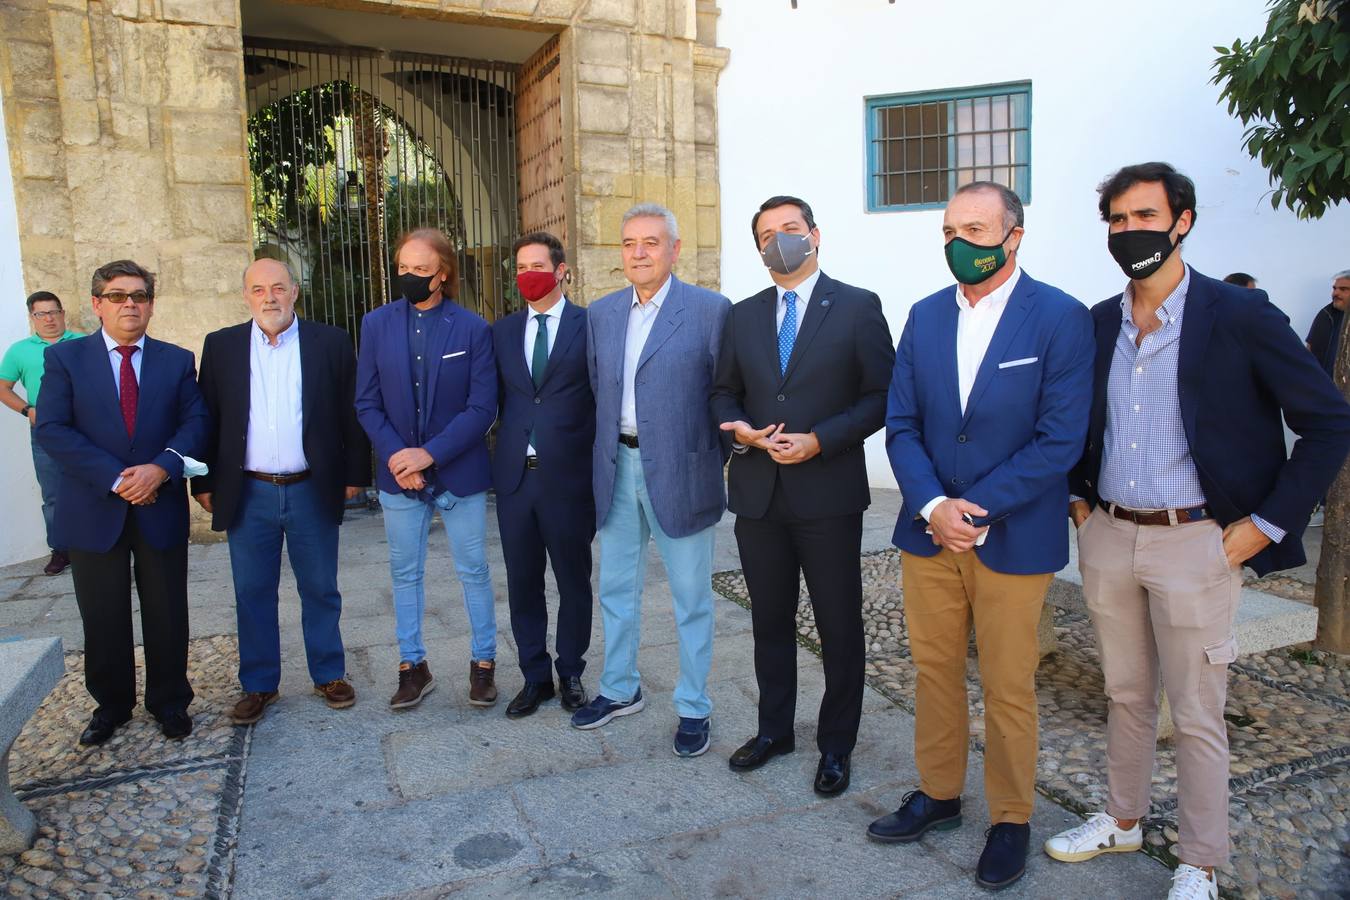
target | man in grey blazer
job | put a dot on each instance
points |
(657, 466)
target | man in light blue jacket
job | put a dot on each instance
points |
(657, 466)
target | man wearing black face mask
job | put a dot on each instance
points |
(1183, 482)
(801, 383)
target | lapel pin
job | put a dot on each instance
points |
(824, 303)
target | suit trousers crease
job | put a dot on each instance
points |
(944, 595)
(1162, 601)
(103, 593)
(540, 526)
(776, 551)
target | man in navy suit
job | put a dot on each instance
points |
(657, 467)
(120, 441)
(541, 471)
(426, 394)
(1185, 480)
(987, 412)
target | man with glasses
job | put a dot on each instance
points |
(120, 441)
(23, 363)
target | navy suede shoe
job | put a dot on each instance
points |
(693, 736)
(602, 710)
(918, 813)
(1005, 855)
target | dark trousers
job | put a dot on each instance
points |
(103, 593)
(269, 513)
(540, 524)
(775, 551)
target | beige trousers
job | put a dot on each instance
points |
(1162, 600)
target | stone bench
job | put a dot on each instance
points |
(28, 672)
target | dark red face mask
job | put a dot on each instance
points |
(535, 285)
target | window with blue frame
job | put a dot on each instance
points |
(923, 146)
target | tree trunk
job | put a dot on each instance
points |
(1333, 570)
(370, 147)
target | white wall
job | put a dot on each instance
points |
(1119, 85)
(21, 534)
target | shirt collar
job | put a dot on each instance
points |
(660, 295)
(555, 311)
(997, 298)
(113, 345)
(291, 333)
(65, 336)
(1171, 308)
(803, 290)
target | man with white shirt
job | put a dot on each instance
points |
(541, 470)
(285, 453)
(987, 413)
(801, 383)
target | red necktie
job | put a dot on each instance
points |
(128, 390)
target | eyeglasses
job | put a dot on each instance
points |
(120, 297)
(48, 313)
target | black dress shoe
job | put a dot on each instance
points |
(528, 700)
(101, 728)
(917, 814)
(1005, 855)
(175, 725)
(573, 694)
(832, 774)
(759, 750)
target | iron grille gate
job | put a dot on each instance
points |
(350, 147)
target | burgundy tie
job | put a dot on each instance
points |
(128, 389)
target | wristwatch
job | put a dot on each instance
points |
(26, 407)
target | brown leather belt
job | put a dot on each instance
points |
(629, 440)
(287, 478)
(1157, 516)
(531, 462)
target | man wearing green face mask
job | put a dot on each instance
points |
(987, 413)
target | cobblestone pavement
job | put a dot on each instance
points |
(1289, 736)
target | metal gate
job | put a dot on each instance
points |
(349, 147)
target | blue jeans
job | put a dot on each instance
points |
(49, 479)
(407, 522)
(623, 564)
(269, 513)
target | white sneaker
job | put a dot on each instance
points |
(1191, 883)
(1317, 519)
(1099, 834)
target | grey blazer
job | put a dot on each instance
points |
(682, 449)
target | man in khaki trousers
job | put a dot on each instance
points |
(986, 415)
(1185, 480)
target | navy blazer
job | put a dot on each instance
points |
(1240, 369)
(335, 446)
(681, 446)
(461, 398)
(561, 411)
(84, 432)
(1021, 433)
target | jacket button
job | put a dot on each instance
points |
(781, 398)
(960, 438)
(537, 401)
(956, 481)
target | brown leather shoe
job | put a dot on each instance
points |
(57, 564)
(251, 706)
(414, 683)
(482, 686)
(338, 693)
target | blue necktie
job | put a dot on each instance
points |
(787, 334)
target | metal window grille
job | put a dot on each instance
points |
(922, 147)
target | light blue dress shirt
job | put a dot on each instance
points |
(641, 318)
(275, 443)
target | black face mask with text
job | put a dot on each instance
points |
(1140, 253)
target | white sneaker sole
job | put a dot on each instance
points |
(621, 711)
(1085, 855)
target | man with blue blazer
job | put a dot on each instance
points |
(426, 394)
(657, 466)
(120, 440)
(542, 473)
(1185, 480)
(986, 416)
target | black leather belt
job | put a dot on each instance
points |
(531, 462)
(629, 440)
(1156, 516)
(285, 478)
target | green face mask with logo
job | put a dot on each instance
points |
(971, 263)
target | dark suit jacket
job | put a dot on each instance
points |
(84, 432)
(835, 385)
(561, 411)
(1241, 366)
(335, 446)
(461, 399)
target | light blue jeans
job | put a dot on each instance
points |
(407, 522)
(631, 521)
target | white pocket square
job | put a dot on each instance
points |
(453, 355)
(1018, 362)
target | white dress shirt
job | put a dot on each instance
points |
(115, 359)
(554, 314)
(804, 291)
(641, 318)
(275, 442)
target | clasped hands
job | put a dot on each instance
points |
(407, 466)
(950, 527)
(140, 484)
(783, 447)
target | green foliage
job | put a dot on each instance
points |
(1291, 86)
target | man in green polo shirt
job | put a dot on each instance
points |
(23, 363)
